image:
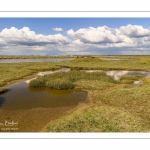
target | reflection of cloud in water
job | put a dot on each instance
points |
(116, 74)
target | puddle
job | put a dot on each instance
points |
(32, 108)
(136, 83)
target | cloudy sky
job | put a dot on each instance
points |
(74, 36)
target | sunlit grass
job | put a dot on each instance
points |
(129, 79)
(97, 119)
(69, 80)
(16, 71)
(115, 107)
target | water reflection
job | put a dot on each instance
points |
(117, 74)
(22, 97)
(51, 91)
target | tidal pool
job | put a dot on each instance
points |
(26, 109)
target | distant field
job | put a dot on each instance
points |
(114, 106)
(32, 57)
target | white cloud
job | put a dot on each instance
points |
(27, 37)
(58, 29)
(100, 35)
(131, 39)
(105, 37)
(134, 31)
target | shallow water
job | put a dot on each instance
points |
(34, 60)
(117, 74)
(32, 108)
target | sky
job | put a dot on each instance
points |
(74, 36)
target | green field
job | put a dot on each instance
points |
(114, 106)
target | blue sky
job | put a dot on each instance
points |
(45, 25)
(92, 36)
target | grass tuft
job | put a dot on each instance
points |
(59, 84)
(72, 79)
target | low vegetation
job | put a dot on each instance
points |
(114, 106)
(17, 71)
(129, 79)
(60, 84)
(97, 119)
(68, 80)
(136, 63)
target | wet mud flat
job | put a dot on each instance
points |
(24, 109)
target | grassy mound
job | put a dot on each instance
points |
(68, 80)
(59, 84)
(39, 82)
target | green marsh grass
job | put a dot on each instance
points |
(96, 119)
(59, 84)
(113, 107)
(17, 71)
(68, 80)
(129, 79)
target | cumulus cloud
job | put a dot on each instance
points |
(105, 37)
(58, 29)
(98, 35)
(27, 37)
(131, 39)
(134, 31)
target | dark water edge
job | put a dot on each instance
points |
(24, 109)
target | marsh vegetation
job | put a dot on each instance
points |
(114, 105)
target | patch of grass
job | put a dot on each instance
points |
(93, 84)
(129, 79)
(59, 84)
(134, 63)
(68, 80)
(16, 71)
(134, 100)
(39, 82)
(97, 119)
